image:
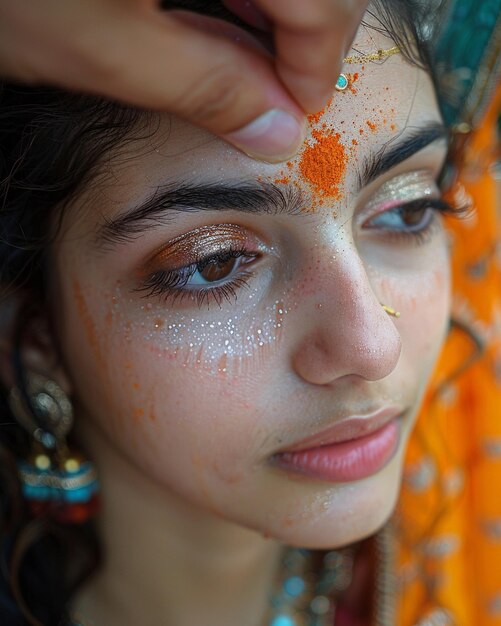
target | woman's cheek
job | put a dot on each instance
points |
(166, 403)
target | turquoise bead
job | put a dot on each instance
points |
(282, 620)
(342, 82)
(294, 586)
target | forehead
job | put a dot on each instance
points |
(384, 99)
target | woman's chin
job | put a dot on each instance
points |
(338, 515)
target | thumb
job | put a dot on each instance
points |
(237, 93)
(203, 70)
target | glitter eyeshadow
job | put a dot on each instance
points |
(191, 247)
(405, 188)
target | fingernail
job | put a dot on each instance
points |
(274, 136)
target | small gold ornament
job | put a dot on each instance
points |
(390, 311)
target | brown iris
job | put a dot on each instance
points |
(218, 269)
(412, 217)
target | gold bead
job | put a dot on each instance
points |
(42, 462)
(71, 465)
(463, 128)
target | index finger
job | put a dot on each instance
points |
(311, 39)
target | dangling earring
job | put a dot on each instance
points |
(55, 481)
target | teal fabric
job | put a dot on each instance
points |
(466, 49)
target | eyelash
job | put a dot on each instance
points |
(171, 285)
(420, 235)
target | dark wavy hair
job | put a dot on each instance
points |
(50, 144)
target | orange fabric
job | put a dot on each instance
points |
(449, 514)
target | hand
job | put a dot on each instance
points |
(205, 70)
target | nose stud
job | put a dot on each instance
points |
(342, 82)
(390, 311)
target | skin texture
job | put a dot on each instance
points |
(182, 406)
(212, 74)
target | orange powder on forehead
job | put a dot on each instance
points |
(284, 180)
(314, 118)
(323, 163)
(352, 79)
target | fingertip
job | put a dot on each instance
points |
(274, 136)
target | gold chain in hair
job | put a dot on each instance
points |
(373, 56)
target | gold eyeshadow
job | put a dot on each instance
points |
(197, 244)
(405, 188)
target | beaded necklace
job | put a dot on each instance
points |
(305, 596)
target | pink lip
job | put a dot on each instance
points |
(347, 429)
(353, 449)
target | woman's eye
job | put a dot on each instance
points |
(214, 278)
(412, 219)
(406, 219)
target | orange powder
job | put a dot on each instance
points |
(88, 322)
(323, 163)
(371, 125)
(138, 413)
(284, 180)
(314, 118)
(352, 79)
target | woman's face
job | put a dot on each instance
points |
(237, 314)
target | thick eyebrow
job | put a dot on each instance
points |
(251, 197)
(158, 209)
(391, 153)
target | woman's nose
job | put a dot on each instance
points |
(346, 330)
